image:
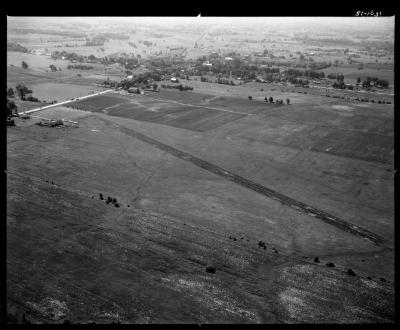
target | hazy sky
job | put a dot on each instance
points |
(367, 23)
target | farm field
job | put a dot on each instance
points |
(343, 136)
(206, 205)
(164, 188)
(159, 222)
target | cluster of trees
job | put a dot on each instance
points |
(10, 92)
(57, 32)
(95, 41)
(271, 100)
(279, 101)
(68, 56)
(22, 90)
(142, 79)
(225, 81)
(305, 73)
(369, 82)
(53, 68)
(298, 81)
(32, 99)
(339, 84)
(319, 66)
(15, 47)
(180, 87)
(11, 107)
(79, 67)
(335, 76)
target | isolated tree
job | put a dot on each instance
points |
(271, 100)
(11, 107)
(10, 92)
(250, 97)
(287, 101)
(24, 65)
(266, 99)
(358, 80)
(20, 91)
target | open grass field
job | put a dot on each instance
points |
(175, 219)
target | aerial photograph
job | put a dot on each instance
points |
(200, 170)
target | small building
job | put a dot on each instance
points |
(174, 80)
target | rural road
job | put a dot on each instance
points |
(65, 102)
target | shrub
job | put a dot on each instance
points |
(316, 259)
(330, 264)
(351, 272)
(210, 269)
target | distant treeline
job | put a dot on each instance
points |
(79, 67)
(13, 46)
(305, 73)
(50, 32)
(96, 41)
(113, 35)
(180, 87)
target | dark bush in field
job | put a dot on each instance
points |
(210, 269)
(351, 272)
(316, 259)
(116, 205)
(101, 196)
(383, 280)
(330, 264)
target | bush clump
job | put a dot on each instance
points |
(210, 269)
(351, 272)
